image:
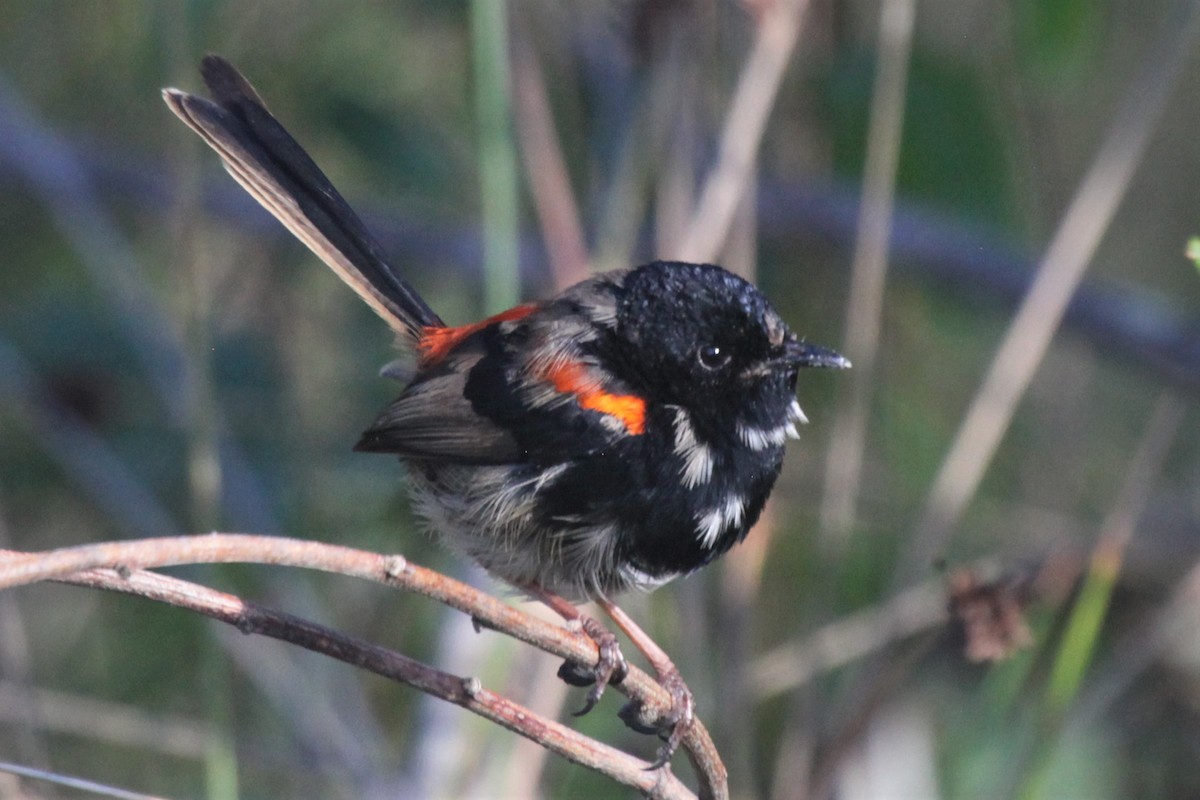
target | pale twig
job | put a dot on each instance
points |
(250, 618)
(642, 149)
(675, 179)
(1067, 257)
(919, 608)
(198, 265)
(126, 559)
(868, 273)
(753, 99)
(72, 782)
(545, 167)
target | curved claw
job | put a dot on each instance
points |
(610, 665)
(589, 702)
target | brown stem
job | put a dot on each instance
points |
(122, 564)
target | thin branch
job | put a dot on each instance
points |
(758, 85)
(868, 274)
(1075, 653)
(72, 782)
(124, 562)
(545, 166)
(854, 636)
(250, 618)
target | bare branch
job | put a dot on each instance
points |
(545, 165)
(98, 789)
(868, 275)
(778, 30)
(120, 566)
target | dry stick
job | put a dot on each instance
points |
(72, 782)
(641, 154)
(198, 269)
(250, 618)
(849, 638)
(870, 630)
(545, 167)
(675, 176)
(868, 273)
(23, 568)
(778, 30)
(1059, 274)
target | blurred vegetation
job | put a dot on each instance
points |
(170, 361)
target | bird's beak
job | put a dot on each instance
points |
(803, 354)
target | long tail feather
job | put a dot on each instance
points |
(264, 158)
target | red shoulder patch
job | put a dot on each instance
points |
(436, 343)
(571, 377)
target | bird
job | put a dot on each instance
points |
(622, 433)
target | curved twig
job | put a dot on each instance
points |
(119, 566)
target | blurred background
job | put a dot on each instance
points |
(984, 205)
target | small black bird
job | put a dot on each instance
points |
(616, 436)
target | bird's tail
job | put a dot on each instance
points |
(275, 170)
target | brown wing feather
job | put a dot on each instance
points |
(434, 420)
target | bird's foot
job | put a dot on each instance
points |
(671, 726)
(610, 666)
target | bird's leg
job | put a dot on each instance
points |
(610, 665)
(682, 712)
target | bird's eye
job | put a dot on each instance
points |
(713, 356)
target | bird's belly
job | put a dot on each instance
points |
(586, 528)
(498, 516)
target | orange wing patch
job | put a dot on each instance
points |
(571, 377)
(436, 343)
